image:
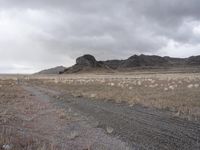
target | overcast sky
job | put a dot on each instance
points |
(38, 34)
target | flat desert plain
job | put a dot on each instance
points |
(100, 111)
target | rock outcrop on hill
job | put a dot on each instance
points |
(88, 63)
(143, 60)
(194, 60)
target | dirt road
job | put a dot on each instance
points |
(32, 120)
(66, 128)
(139, 127)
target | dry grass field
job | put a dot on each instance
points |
(179, 93)
(148, 110)
(15, 111)
(29, 121)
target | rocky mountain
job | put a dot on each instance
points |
(55, 70)
(88, 63)
(194, 61)
(143, 60)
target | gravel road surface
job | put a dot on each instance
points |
(139, 127)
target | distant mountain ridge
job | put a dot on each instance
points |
(88, 63)
(56, 70)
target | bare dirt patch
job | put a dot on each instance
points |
(128, 111)
(141, 127)
(178, 93)
(28, 120)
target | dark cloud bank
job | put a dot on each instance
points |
(40, 34)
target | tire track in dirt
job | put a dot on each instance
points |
(145, 127)
(86, 137)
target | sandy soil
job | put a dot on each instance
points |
(29, 121)
(140, 127)
(177, 92)
(35, 116)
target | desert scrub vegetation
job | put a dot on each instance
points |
(17, 111)
(178, 93)
(11, 136)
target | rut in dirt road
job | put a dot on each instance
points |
(68, 129)
(147, 128)
(151, 129)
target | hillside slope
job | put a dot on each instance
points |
(88, 63)
(55, 70)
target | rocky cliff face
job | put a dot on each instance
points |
(194, 60)
(143, 60)
(88, 63)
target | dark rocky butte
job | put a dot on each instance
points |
(88, 63)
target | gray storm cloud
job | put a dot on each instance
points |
(40, 34)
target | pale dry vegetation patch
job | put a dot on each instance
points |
(179, 93)
(11, 137)
(15, 115)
